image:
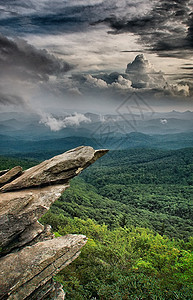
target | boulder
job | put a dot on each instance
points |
(10, 175)
(58, 169)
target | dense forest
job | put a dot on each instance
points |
(136, 208)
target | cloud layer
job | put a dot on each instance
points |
(140, 76)
(19, 59)
(89, 40)
(166, 29)
(60, 16)
(143, 75)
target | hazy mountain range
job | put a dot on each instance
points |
(33, 126)
(44, 136)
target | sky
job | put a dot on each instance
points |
(93, 55)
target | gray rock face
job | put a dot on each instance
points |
(58, 169)
(21, 209)
(10, 175)
(30, 255)
(25, 271)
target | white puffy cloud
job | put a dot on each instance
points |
(163, 121)
(95, 82)
(56, 124)
(181, 89)
(75, 120)
(140, 76)
(122, 83)
(143, 75)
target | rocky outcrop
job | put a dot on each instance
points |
(30, 255)
(58, 169)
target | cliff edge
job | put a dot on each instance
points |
(30, 254)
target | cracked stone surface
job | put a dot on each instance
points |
(21, 209)
(34, 265)
(10, 175)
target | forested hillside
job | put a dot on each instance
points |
(47, 147)
(136, 208)
(10, 162)
(140, 187)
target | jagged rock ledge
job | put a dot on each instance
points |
(30, 255)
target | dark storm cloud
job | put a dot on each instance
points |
(57, 18)
(133, 51)
(61, 16)
(167, 28)
(24, 68)
(52, 23)
(6, 99)
(19, 59)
